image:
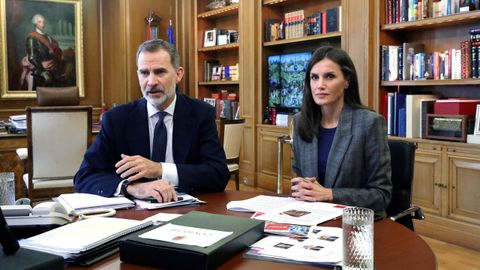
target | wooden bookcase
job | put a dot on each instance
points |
(446, 173)
(222, 18)
(241, 17)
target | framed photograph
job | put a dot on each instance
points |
(41, 45)
(210, 38)
(210, 101)
(476, 131)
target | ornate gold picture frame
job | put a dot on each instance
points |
(41, 45)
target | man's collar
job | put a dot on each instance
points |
(152, 110)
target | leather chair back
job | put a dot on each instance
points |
(403, 161)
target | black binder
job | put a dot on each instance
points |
(168, 255)
(31, 260)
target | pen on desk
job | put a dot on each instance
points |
(153, 200)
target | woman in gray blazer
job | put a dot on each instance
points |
(340, 147)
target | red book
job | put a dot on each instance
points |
(324, 22)
(456, 106)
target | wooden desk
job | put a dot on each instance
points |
(396, 247)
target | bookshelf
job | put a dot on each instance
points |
(446, 173)
(242, 18)
(267, 133)
(226, 54)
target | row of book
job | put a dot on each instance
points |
(214, 71)
(409, 61)
(397, 11)
(296, 25)
(226, 105)
(406, 114)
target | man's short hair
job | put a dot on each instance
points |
(156, 45)
(36, 17)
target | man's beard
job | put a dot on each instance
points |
(156, 102)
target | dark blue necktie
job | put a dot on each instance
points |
(160, 139)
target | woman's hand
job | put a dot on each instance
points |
(308, 189)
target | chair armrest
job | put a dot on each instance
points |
(285, 139)
(414, 211)
(22, 153)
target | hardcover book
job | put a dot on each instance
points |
(332, 20)
(409, 51)
(413, 114)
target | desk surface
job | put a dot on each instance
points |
(396, 247)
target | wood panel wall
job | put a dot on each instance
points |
(112, 31)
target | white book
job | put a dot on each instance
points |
(261, 203)
(83, 235)
(393, 62)
(78, 203)
(412, 107)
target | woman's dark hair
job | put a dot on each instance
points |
(310, 114)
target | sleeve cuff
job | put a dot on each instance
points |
(170, 173)
(118, 191)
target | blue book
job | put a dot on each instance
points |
(402, 123)
(400, 100)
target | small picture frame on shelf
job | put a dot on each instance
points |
(476, 131)
(210, 38)
(447, 127)
(210, 101)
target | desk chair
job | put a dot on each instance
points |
(401, 208)
(231, 135)
(57, 137)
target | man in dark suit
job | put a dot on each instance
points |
(157, 145)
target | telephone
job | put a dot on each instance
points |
(45, 213)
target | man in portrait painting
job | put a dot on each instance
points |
(42, 63)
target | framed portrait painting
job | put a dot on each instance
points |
(41, 45)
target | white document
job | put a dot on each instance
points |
(162, 217)
(186, 235)
(303, 213)
(323, 246)
(77, 203)
(186, 200)
(82, 235)
(261, 203)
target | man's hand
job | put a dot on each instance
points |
(133, 168)
(159, 189)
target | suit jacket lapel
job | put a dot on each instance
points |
(341, 142)
(182, 123)
(310, 151)
(137, 134)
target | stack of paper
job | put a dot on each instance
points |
(322, 246)
(18, 123)
(288, 210)
(74, 239)
(183, 199)
(78, 203)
